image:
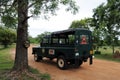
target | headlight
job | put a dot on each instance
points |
(76, 54)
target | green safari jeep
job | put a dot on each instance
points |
(70, 47)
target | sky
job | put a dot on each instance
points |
(63, 19)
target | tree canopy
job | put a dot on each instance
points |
(83, 23)
(106, 18)
(8, 9)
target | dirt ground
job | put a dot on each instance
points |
(100, 70)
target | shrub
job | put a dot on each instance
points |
(7, 36)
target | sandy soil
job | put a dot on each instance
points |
(100, 70)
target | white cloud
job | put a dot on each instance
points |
(63, 19)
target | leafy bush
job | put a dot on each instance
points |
(7, 36)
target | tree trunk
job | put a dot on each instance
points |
(113, 46)
(21, 57)
(113, 49)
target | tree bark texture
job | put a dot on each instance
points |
(21, 56)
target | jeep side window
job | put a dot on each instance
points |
(71, 39)
(62, 41)
(55, 40)
(45, 40)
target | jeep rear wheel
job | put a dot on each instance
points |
(62, 63)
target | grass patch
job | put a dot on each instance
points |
(42, 76)
(108, 57)
(106, 54)
(6, 64)
(5, 58)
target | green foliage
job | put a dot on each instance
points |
(106, 20)
(7, 36)
(9, 21)
(33, 70)
(46, 76)
(118, 42)
(8, 13)
(32, 40)
(50, 6)
(83, 23)
(8, 9)
(40, 37)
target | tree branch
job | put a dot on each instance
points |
(26, 19)
(14, 3)
(30, 16)
(30, 5)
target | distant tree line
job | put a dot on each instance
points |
(39, 37)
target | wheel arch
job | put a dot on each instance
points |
(61, 54)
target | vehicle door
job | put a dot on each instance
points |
(83, 43)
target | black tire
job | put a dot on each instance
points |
(62, 63)
(79, 63)
(37, 58)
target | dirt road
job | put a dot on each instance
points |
(100, 70)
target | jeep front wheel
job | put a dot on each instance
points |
(62, 63)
